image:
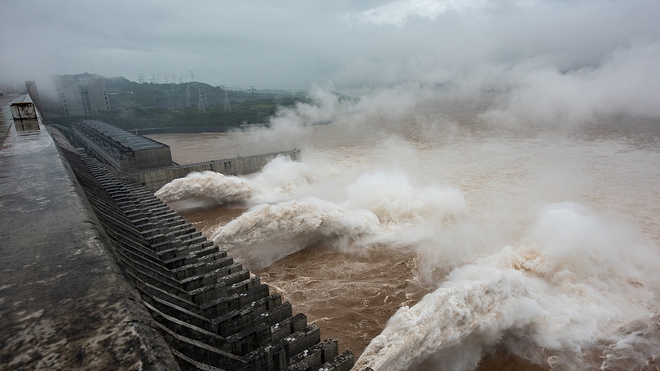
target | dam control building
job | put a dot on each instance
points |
(122, 150)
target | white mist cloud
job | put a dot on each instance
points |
(294, 44)
(535, 91)
(626, 82)
(293, 205)
(577, 280)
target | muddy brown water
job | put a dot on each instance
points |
(350, 294)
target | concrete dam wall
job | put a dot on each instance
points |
(99, 274)
(211, 311)
(154, 179)
(64, 302)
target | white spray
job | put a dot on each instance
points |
(575, 281)
(570, 285)
(294, 205)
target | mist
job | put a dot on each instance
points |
(295, 44)
(524, 188)
(510, 148)
(535, 228)
(527, 200)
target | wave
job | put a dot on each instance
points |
(209, 185)
(575, 284)
(294, 205)
(278, 180)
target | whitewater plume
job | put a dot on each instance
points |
(287, 220)
(408, 216)
(575, 283)
(207, 185)
(268, 232)
(281, 180)
(276, 182)
(293, 205)
(393, 198)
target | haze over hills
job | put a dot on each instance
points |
(191, 104)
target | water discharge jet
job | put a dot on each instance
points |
(590, 261)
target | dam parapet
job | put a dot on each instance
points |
(64, 302)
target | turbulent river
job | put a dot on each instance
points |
(436, 241)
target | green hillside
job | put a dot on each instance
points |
(148, 105)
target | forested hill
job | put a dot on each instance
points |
(152, 105)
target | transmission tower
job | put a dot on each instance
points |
(227, 106)
(172, 95)
(165, 76)
(192, 76)
(141, 78)
(202, 99)
(252, 92)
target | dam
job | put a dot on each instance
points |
(99, 274)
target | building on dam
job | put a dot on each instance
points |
(122, 150)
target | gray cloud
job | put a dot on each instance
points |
(293, 44)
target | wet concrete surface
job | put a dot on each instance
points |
(64, 304)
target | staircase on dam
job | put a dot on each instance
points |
(214, 314)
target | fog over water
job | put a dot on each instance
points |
(425, 230)
(488, 200)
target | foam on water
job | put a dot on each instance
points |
(564, 286)
(575, 282)
(293, 206)
(209, 185)
(279, 180)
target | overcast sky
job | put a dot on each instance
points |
(296, 43)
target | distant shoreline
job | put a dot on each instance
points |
(192, 129)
